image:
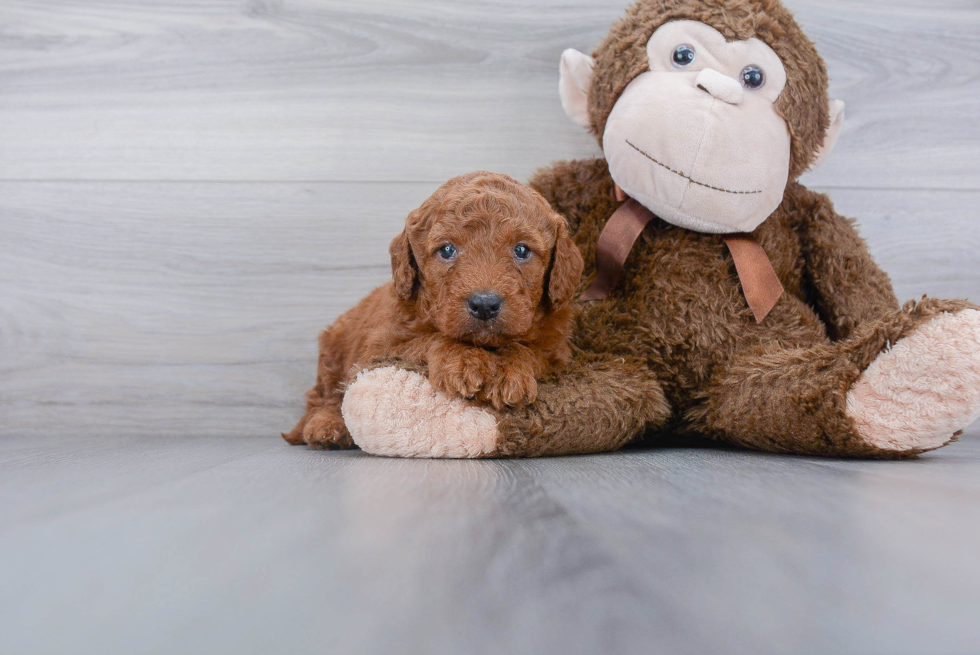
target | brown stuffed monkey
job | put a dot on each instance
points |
(729, 300)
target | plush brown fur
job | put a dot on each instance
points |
(778, 386)
(675, 346)
(421, 317)
(679, 311)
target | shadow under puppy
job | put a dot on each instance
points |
(483, 282)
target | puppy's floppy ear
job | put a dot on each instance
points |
(566, 267)
(404, 270)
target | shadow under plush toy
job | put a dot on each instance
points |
(729, 300)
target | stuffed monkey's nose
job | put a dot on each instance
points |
(484, 305)
(720, 86)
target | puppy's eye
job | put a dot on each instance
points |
(448, 251)
(684, 56)
(521, 251)
(753, 77)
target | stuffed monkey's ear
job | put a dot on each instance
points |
(836, 123)
(404, 271)
(574, 79)
(566, 267)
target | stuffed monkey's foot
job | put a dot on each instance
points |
(917, 395)
(397, 413)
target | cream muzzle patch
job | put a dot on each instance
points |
(697, 139)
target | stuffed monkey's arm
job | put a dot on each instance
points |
(577, 189)
(596, 403)
(593, 404)
(848, 286)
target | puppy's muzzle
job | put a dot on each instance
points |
(484, 305)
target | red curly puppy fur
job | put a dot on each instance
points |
(484, 276)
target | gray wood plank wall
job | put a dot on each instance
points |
(189, 191)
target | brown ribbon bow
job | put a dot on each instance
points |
(760, 284)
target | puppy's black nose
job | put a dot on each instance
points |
(484, 305)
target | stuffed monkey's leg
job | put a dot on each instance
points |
(594, 404)
(899, 386)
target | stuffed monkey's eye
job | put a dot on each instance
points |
(448, 251)
(684, 56)
(753, 77)
(521, 251)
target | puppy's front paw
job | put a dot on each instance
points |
(326, 431)
(512, 386)
(464, 373)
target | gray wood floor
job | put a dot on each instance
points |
(186, 544)
(190, 190)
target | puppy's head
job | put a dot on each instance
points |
(484, 259)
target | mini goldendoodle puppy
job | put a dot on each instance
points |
(483, 281)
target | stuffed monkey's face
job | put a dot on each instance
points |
(697, 139)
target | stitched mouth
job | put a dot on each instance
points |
(688, 177)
